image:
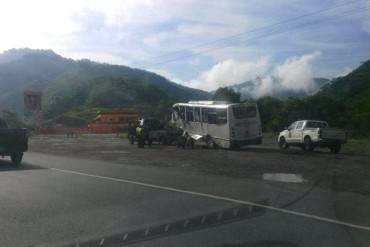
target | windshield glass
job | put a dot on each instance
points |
(164, 123)
(244, 111)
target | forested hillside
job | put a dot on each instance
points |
(70, 85)
(344, 102)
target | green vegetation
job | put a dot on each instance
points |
(357, 146)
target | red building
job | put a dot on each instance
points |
(113, 121)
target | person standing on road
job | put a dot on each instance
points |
(140, 136)
(131, 133)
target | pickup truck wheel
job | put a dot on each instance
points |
(282, 143)
(336, 149)
(16, 158)
(308, 145)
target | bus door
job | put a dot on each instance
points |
(196, 124)
(204, 121)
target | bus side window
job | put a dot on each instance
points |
(189, 114)
(175, 113)
(182, 112)
(212, 116)
(196, 114)
(205, 115)
(221, 116)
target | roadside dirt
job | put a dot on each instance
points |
(341, 172)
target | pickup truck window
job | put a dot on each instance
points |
(292, 126)
(315, 124)
(299, 126)
(196, 114)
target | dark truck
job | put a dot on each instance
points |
(157, 131)
(13, 142)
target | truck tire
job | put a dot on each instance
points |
(336, 149)
(16, 158)
(282, 143)
(307, 144)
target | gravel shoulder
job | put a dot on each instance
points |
(341, 172)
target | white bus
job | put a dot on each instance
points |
(219, 123)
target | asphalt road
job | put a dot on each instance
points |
(64, 201)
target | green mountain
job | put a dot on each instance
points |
(353, 91)
(70, 85)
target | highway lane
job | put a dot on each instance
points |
(54, 199)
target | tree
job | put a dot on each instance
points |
(268, 108)
(227, 94)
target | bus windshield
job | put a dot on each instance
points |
(244, 111)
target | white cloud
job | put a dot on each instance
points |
(296, 73)
(229, 72)
(140, 32)
(266, 87)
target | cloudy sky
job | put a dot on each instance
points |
(199, 43)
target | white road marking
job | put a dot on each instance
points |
(222, 198)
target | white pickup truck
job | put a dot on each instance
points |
(309, 134)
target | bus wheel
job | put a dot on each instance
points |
(210, 143)
(191, 142)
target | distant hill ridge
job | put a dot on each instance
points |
(79, 84)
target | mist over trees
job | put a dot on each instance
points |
(344, 103)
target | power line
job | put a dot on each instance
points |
(261, 28)
(277, 31)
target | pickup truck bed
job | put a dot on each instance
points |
(333, 134)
